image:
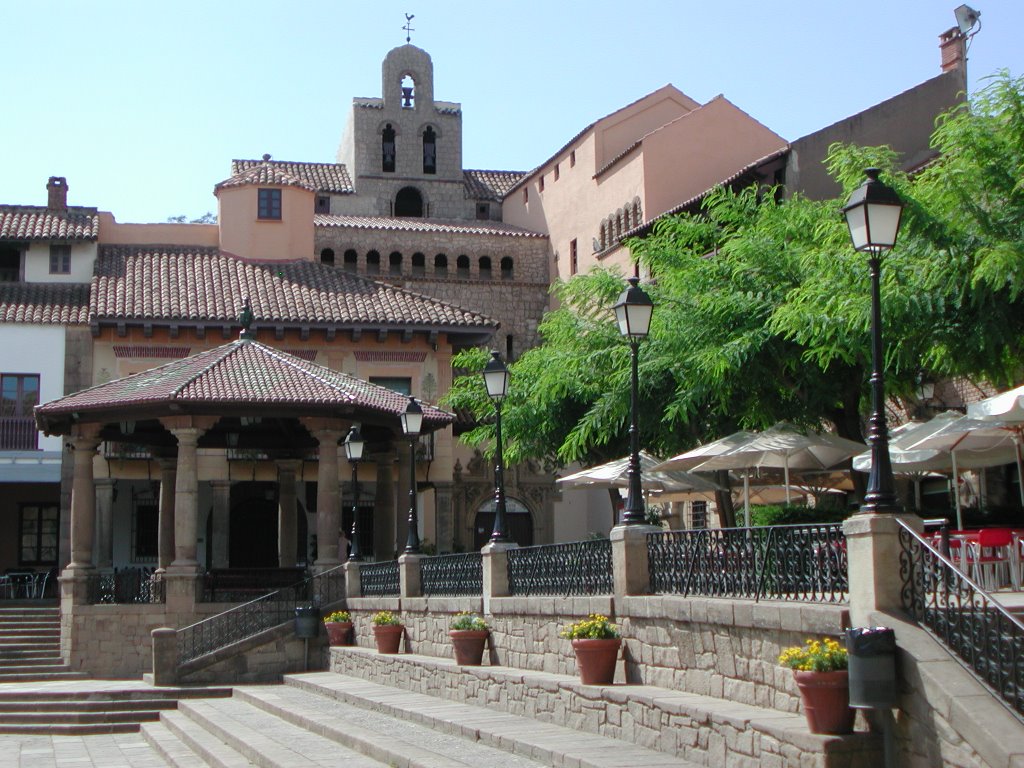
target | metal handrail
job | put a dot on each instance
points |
(976, 629)
(573, 568)
(263, 613)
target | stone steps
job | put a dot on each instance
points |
(30, 646)
(702, 729)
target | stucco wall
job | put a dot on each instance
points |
(36, 349)
(245, 235)
(37, 264)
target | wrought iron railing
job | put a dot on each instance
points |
(18, 433)
(379, 579)
(127, 585)
(783, 562)
(964, 618)
(576, 568)
(249, 619)
(461, 574)
(116, 450)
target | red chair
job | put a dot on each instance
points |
(992, 558)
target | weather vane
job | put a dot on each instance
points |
(408, 28)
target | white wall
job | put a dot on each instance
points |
(36, 349)
(37, 264)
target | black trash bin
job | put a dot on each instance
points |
(872, 660)
(307, 622)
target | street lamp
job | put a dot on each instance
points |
(412, 423)
(496, 381)
(873, 215)
(354, 445)
(633, 311)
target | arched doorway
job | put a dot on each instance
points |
(520, 522)
(409, 202)
(252, 540)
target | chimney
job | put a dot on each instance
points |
(953, 47)
(57, 193)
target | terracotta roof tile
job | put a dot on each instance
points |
(240, 372)
(265, 173)
(324, 177)
(29, 222)
(44, 303)
(403, 224)
(490, 185)
(202, 284)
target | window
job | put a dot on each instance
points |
(60, 259)
(409, 202)
(39, 527)
(574, 258)
(483, 211)
(408, 87)
(372, 263)
(400, 384)
(572, 159)
(698, 514)
(323, 204)
(485, 267)
(506, 268)
(10, 265)
(526, 195)
(557, 174)
(440, 265)
(509, 348)
(270, 204)
(462, 266)
(19, 394)
(419, 264)
(387, 145)
(395, 263)
(351, 261)
(429, 151)
(540, 183)
(145, 532)
(327, 257)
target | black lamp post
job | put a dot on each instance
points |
(496, 381)
(633, 311)
(412, 423)
(873, 214)
(354, 445)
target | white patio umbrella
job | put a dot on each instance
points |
(1007, 407)
(782, 446)
(615, 474)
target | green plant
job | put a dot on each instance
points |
(338, 616)
(780, 514)
(385, 619)
(468, 620)
(594, 627)
(825, 655)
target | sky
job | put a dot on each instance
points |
(142, 106)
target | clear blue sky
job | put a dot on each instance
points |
(142, 105)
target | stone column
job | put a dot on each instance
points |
(873, 552)
(410, 583)
(328, 503)
(287, 530)
(186, 501)
(402, 495)
(495, 568)
(353, 582)
(384, 508)
(83, 502)
(165, 531)
(631, 573)
(220, 530)
(105, 523)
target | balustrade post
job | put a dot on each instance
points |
(353, 580)
(409, 576)
(495, 570)
(165, 656)
(873, 556)
(630, 569)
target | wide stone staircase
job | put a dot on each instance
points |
(30, 644)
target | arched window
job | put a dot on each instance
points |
(351, 263)
(408, 92)
(419, 263)
(327, 257)
(506, 268)
(373, 263)
(387, 145)
(395, 263)
(409, 202)
(429, 151)
(485, 267)
(440, 265)
(638, 214)
(462, 266)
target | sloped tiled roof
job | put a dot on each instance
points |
(265, 173)
(490, 185)
(30, 222)
(409, 224)
(44, 303)
(241, 372)
(324, 177)
(202, 284)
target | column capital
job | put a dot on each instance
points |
(288, 465)
(318, 424)
(203, 423)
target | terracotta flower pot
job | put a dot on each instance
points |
(388, 637)
(826, 700)
(469, 646)
(596, 660)
(339, 632)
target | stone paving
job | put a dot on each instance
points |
(125, 750)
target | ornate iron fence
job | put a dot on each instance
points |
(576, 568)
(379, 579)
(128, 585)
(783, 562)
(461, 574)
(257, 615)
(964, 618)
